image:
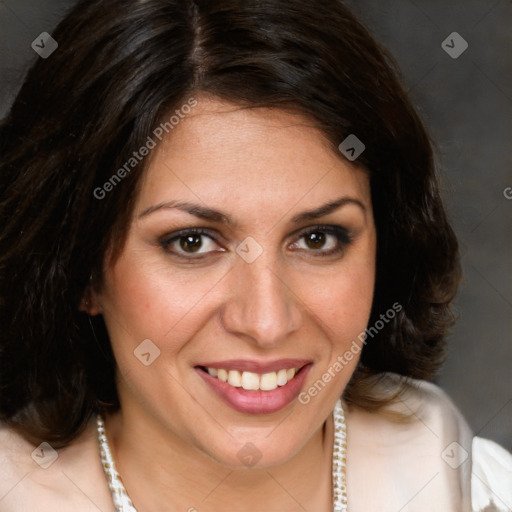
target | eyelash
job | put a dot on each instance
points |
(341, 234)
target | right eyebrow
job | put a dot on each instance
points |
(198, 210)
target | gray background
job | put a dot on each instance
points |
(467, 104)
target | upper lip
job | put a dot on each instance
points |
(256, 366)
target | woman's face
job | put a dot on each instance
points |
(252, 253)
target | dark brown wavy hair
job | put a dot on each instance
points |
(121, 68)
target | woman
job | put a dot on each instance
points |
(218, 218)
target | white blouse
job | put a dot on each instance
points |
(430, 463)
(491, 477)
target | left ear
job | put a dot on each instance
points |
(90, 303)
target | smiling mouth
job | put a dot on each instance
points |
(251, 381)
(250, 387)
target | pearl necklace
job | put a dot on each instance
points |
(123, 503)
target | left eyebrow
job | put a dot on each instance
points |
(326, 209)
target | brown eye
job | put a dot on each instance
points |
(315, 240)
(191, 243)
(323, 240)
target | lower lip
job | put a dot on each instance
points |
(257, 402)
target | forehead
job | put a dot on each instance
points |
(223, 154)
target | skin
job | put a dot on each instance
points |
(175, 442)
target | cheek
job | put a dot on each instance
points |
(144, 298)
(342, 302)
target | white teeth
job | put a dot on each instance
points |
(234, 378)
(291, 373)
(251, 381)
(268, 381)
(282, 378)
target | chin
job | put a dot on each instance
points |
(261, 451)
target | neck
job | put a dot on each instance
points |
(162, 472)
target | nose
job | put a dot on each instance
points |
(262, 305)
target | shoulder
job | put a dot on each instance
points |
(41, 478)
(433, 444)
(419, 438)
(416, 404)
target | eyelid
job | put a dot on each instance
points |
(324, 227)
(330, 229)
(169, 237)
